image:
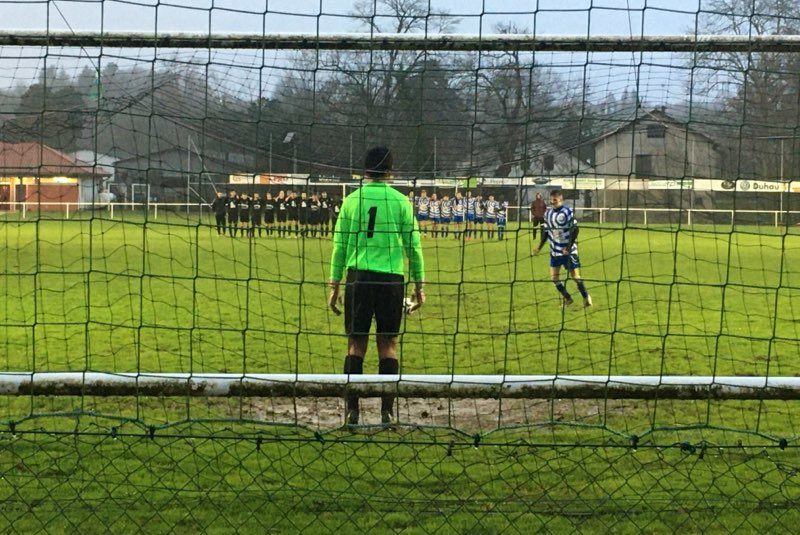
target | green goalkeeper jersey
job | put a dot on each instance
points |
(376, 229)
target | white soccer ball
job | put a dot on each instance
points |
(407, 304)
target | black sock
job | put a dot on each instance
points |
(388, 367)
(582, 288)
(562, 289)
(353, 365)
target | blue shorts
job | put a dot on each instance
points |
(422, 217)
(444, 220)
(470, 217)
(569, 261)
(436, 219)
(478, 220)
(491, 220)
(458, 219)
(501, 222)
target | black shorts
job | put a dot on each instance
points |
(313, 219)
(233, 218)
(303, 218)
(244, 218)
(292, 216)
(281, 216)
(538, 221)
(369, 294)
(256, 220)
(269, 217)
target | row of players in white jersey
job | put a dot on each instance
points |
(472, 212)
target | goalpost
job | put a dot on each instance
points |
(158, 371)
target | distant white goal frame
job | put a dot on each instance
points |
(407, 386)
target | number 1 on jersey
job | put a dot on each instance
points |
(373, 212)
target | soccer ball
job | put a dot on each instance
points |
(407, 304)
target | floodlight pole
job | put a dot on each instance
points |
(188, 171)
(781, 192)
(435, 142)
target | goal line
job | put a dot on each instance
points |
(408, 386)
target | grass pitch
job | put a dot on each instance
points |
(168, 295)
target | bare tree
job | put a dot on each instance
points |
(760, 89)
(516, 105)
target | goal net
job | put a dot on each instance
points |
(170, 362)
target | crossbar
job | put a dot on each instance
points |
(393, 41)
(408, 386)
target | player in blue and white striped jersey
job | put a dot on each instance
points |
(470, 214)
(477, 226)
(502, 213)
(446, 207)
(458, 214)
(561, 230)
(436, 215)
(423, 209)
(491, 215)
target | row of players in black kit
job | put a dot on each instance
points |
(285, 214)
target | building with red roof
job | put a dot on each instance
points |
(43, 177)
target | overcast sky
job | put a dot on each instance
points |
(547, 16)
(660, 77)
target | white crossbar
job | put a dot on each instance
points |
(409, 386)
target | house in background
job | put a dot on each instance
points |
(655, 145)
(544, 159)
(35, 173)
(90, 192)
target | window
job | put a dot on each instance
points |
(656, 131)
(644, 165)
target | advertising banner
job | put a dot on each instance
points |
(265, 179)
(684, 184)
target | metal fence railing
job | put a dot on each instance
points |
(602, 215)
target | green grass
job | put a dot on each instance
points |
(120, 296)
(171, 296)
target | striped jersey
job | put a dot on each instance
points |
(458, 207)
(559, 224)
(423, 204)
(435, 208)
(491, 209)
(479, 208)
(501, 214)
(447, 208)
(470, 205)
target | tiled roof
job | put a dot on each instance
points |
(34, 159)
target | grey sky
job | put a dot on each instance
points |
(548, 16)
(660, 76)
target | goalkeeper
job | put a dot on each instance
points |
(375, 230)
